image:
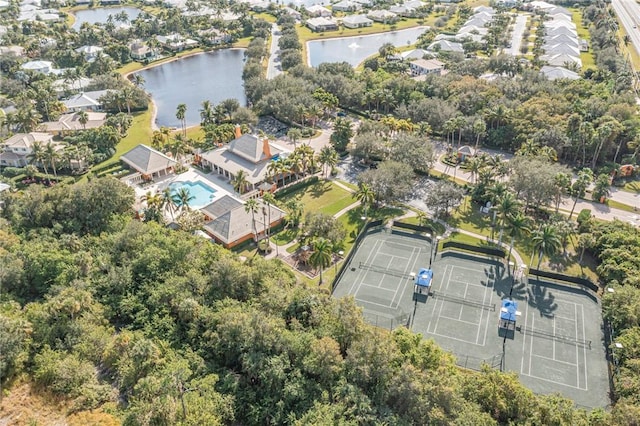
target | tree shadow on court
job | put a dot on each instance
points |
(503, 283)
(540, 299)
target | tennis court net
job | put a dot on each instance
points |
(464, 301)
(550, 335)
(381, 270)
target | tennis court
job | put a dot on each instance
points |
(379, 276)
(557, 345)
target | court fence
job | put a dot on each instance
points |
(474, 363)
(347, 261)
(491, 251)
(401, 319)
(412, 227)
(565, 278)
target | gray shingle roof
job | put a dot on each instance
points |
(236, 223)
(221, 206)
(147, 160)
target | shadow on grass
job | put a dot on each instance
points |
(318, 189)
(285, 236)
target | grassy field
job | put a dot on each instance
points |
(323, 196)
(586, 57)
(139, 132)
(137, 66)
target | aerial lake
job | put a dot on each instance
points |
(354, 50)
(212, 76)
(100, 15)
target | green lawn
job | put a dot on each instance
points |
(322, 196)
(633, 186)
(139, 132)
(137, 66)
(586, 57)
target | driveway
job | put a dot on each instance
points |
(516, 35)
(274, 68)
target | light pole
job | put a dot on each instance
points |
(364, 222)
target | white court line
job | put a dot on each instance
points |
(460, 320)
(440, 311)
(455, 338)
(435, 304)
(565, 318)
(584, 350)
(486, 321)
(395, 255)
(399, 285)
(524, 337)
(555, 360)
(553, 341)
(358, 279)
(553, 381)
(371, 303)
(467, 283)
(401, 243)
(468, 269)
(533, 319)
(375, 286)
(406, 280)
(466, 289)
(575, 307)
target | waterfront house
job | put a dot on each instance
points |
(318, 11)
(86, 101)
(383, 16)
(321, 24)
(356, 21)
(148, 163)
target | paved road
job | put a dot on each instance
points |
(628, 12)
(516, 35)
(274, 68)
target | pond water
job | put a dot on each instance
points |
(100, 15)
(212, 76)
(354, 50)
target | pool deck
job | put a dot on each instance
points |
(215, 181)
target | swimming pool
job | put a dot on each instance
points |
(202, 194)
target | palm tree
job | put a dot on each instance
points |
(294, 134)
(480, 129)
(83, 118)
(182, 197)
(206, 114)
(321, 256)
(181, 113)
(251, 206)
(240, 182)
(518, 225)
(179, 147)
(474, 165)
(545, 242)
(38, 156)
(51, 156)
(168, 202)
(269, 200)
(126, 94)
(366, 196)
(507, 206)
(138, 80)
(328, 158)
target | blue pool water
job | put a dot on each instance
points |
(202, 194)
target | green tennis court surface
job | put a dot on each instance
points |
(558, 342)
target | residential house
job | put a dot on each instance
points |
(250, 154)
(414, 54)
(383, 16)
(90, 52)
(15, 51)
(446, 46)
(346, 6)
(484, 9)
(65, 86)
(43, 67)
(214, 36)
(356, 21)
(139, 51)
(230, 224)
(321, 24)
(17, 149)
(563, 60)
(71, 122)
(558, 73)
(558, 49)
(292, 12)
(148, 163)
(426, 66)
(556, 31)
(175, 42)
(318, 11)
(561, 39)
(86, 101)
